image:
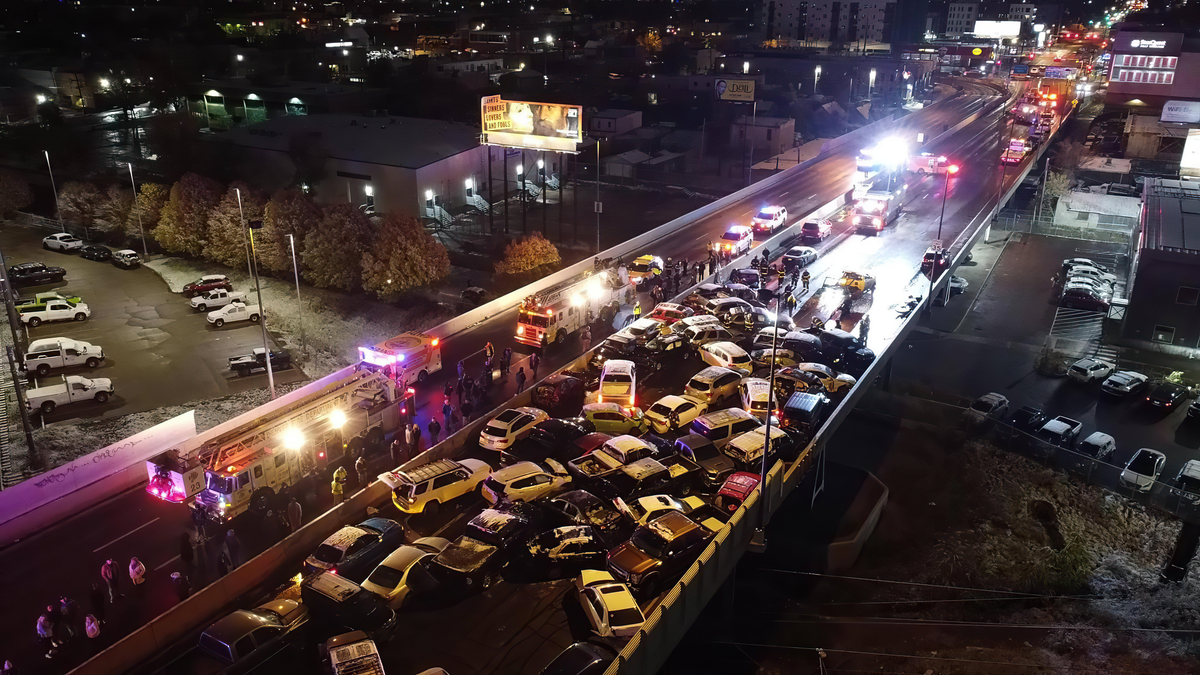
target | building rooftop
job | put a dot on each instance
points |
(241, 87)
(407, 142)
(615, 113)
(1172, 220)
(760, 121)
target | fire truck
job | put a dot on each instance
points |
(877, 208)
(249, 462)
(550, 316)
(409, 357)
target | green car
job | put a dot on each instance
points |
(611, 418)
(26, 304)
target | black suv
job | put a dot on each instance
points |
(844, 352)
(34, 273)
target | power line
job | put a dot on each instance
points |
(921, 585)
(920, 602)
(821, 618)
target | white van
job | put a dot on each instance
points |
(725, 354)
(618, 383)
(722, 426)
(756, 397)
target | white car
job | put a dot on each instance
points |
(646, 509)
(988, 405)
(1143, 469)
(62, 242)
(1124, 382)
(725, 354)
(1089, 370)
(799, 256)
(509, 426)
(390, 578)
(1094, 273)
(526, 481)
(685, 409)
(737, 240)
(769, 219)
(1075, 262)
(608, 604)
(832, 381)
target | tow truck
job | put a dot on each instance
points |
(409, 357)
(550, 316)
(248, 464)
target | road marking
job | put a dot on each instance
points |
(166, 563)
(102, 547)
(448, 524)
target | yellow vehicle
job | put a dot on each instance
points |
(645, 268)
(857, 282)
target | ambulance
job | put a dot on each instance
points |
(411, 357)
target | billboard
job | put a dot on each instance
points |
(1148, 43)
(735, 90)
(997, 29)
(1061, 73)
(1190, 164)
(533, 126)
(1183, 112)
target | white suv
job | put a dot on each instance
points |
(769, 219)
(737, 240)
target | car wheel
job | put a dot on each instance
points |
(262, 500)
(81, 317)
(920, 172)
(202, 307)
(219, 322)
(431, 508)
(554, 574)
(47, 407)
(34, 322)
(254, 318)
(650, 585)
(93, 362)
(43, 370)
(102, 397)
(243, 371)
(488, 580)
(560, 337)
(422, 376)
(45, 246)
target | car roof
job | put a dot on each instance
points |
(343, 538)
(626, 442)
(618, 366)
(647, 466)
(602, 407)
(671, 525)
(515, 471)
(233, 627)
(332, 586)
(771, 209)
(726, 416)
(711, 373)
(739, 229)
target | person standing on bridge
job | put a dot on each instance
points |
(637, 310)
(337, 486)
(489, 352)
(520, 379)
(434, 427)
(535, 360)
(295, 515)
(585, 339)
(804, 278)
(360, 467)
(111, 575)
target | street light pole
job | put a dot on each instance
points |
(299, 304)
(262, 314)
(145, 251)
(57, 206)
(952, 169)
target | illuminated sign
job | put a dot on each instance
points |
(1183, 112)
(535, 126)
(997, 29)
(735, 90)
(1148, 44)
(1190, 164)
(339, 44)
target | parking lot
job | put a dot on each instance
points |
(996, 344)
(160, 352)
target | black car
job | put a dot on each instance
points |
(553, 438)
(559, 395)
(249, 363)
(100, 253)
(33, 273)
(473, 562)
(564, 551)
(1166, 395)
(476, 296)
(580, 507)
(1029, 419)
(581, 658)
(844, 352)
(747, 276)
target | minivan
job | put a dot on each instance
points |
(618, 382)
(713, 384)
(722, 426)
(815, 230)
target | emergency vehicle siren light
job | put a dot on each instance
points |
(953, 168)
(337, 418)
(292, 438)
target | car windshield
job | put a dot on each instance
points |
(625, 617)
(386, 577)
(617, 377)
(660, 409)
(1142, 463)
(328, 554)
(222, 484)
(982, 406)
(698, 385)
(494, 429)
(731, 236)
(766, 215)
(648, 542)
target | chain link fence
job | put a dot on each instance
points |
(1110, 229)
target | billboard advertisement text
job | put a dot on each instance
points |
(535, 126)
(735, 90)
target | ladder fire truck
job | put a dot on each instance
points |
(551, 315)
(248, 462)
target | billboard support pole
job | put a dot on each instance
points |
(505, 190)
(598, 249)
(542, 171)
(490, 192)
(524, 170)
(561, 157)
(575, 200)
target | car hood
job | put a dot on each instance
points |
(101, 383)
(717, 465)
(631, 559)
(1131, 476)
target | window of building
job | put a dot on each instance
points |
(1163, 334)
(769, 138)
(1187, 296)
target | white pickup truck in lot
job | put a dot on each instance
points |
(216, 298)
(234, 311)
(73, 389)
(54, 310)
(60, 352)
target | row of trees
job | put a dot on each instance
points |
(336, 246)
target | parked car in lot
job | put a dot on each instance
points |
(1029, 419)
(40, 300)
(988, 405)
(1098, 445)
(207, 283)
(54, 310)
(609, 606)
(1188, 478)
(234, 311)
(526, 481)
(1061, 431)
(1088, 371)
(354, 550)
(73, 389)
(59, 352)
(1124, 382)
(509, 426)
(581, 658)
(424, 488)
(389, 580)
(218, 297)
(126, 259)
(98, 253)
(1166, 395)
(1193, 410)
(62, 242)
(257, 360)
(34, 273)
(1143, 469)
(1076, 297)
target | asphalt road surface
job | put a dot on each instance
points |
(136, 524)
(159, 351)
